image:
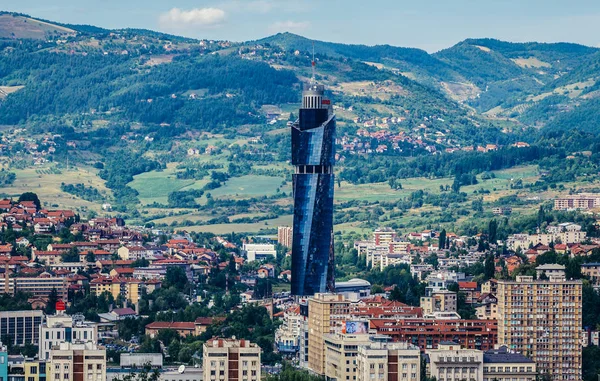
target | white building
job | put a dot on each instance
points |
(65, 328)
(259, 251)
(70, 361)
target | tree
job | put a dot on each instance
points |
(541, 217)
(493, 231)
(30, 196)
(71, 256)
(176, 277)
(52, 300)
(90, 257)
(442, 239)
(489, 267)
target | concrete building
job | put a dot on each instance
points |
(289, 333)
(504, 365)
(577, 201)
(21, 327)
(138, 360)
(439, 301)
(592, 271)
(259, 251)
(3, 363)
(354, 289)
(65, 328)
(76, 362)
(284, 235)
(450, 362)
(325, 313)
(388, 361)
(231, 360)
(341, 350)
(40, 286)
(34, 370)
(542, 319)
(127, 288)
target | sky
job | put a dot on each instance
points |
(431, 25)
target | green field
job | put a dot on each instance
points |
(155, 186)
(250, 186)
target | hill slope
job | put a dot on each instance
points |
(21, 26)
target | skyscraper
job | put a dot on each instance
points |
(313, 155)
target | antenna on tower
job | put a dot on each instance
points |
(314, 64)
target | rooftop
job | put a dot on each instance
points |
(503, 355)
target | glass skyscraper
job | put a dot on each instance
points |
(313, 155)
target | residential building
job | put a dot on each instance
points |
(592, 271)
(3, 362)
(341, 350)
(577, 201)
(76, 362)
(542, 319)
(40, 286)
(21, 327)
(34, 370)
(127, 288)
(284, 235)
(183, 328)
(503, 365)
(387, 361)
(487, 307)
(450, 362)
(439, 301)
(231, 360)
(354, 289)
(259, 251)
(313, 156)
(288, 335)
(325, 313)
(139, 360)
(430, 333)
(65, 328)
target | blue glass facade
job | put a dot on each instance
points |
(313, 155)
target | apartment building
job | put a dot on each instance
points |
(577, 201)
(128, 288)
(439, 301)
(450, 362)
(231, 360)
(21, 327)
(284, 235)
(3, 363)
(542, 319)
(387, 361)
(76, 362)
(65, 328)
(40, 286)
(503, 365)
(325, 313)
(341, 350)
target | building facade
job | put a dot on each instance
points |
(284, 236)
(388, 362)
(76, 362)
(21, 327)
(542, 319)
(64, 328)
(313, 155)
(231, 360)
(325, 313)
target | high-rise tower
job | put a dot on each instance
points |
(313, 155)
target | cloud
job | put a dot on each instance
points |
(198, 17)
(289, 26)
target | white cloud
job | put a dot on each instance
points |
(289, 26)
(198, 17)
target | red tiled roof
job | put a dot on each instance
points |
(177, 325)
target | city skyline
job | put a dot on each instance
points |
(423, 25)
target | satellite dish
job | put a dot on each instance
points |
(181, 369)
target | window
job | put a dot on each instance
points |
(66, 376)
(33, 370)
(90, 366)
(99, 366)
(30, 378)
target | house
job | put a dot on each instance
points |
(285, 275)
(183, 328)
(202, 323)
(118, 314)
(470, 291)
(266, 271)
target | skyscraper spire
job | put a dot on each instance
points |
(314, 64)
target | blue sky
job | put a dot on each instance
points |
(428, 24)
